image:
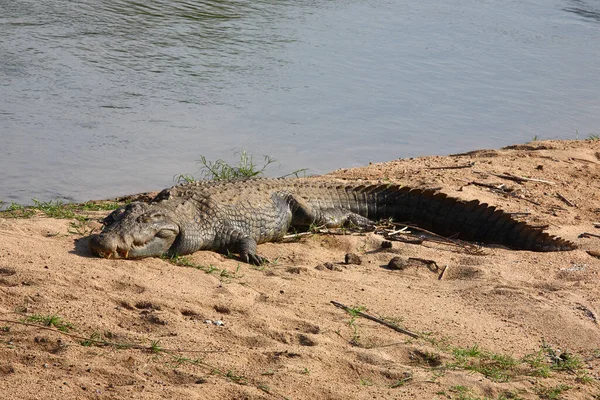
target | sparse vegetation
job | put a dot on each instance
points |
(403, 381)
(221, 170)
(552, 393)
(353, 311)
(232, 376)
(60, 210)
(155, 347)
(51, 321)
(94, 340)
(499, 367)
(56, 209)
(224, 274)
(366, 382)
(459, 392)
(562, 360)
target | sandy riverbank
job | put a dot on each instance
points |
(281, 336)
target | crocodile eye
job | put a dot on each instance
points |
(151, 217)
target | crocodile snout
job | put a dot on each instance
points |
(107, 246)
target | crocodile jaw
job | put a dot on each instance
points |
(135, 231)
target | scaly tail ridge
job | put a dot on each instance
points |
(448, 216)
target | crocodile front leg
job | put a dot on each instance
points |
(245, 246)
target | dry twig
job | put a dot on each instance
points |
(499, 189)
(469, 165)
(587, 234)
(563, 198)
(521, 179)
(375, 319)
(443, 273)
(442, 239)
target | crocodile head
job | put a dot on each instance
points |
(135, 231)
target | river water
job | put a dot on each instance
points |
(100, 98)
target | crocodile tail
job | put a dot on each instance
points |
(448, 216)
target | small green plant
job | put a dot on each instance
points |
(268, 373)
(366, 382)
(50, 320)
(462, 392)
(264, 388)
(239, 379)
(94, 340)
(224, 275)
(535, 138)
(562, 360)
(552, 393)
(220, 170)
(538, 364)
(227, 276)
(178, 361)
(584, 378)
(354, 314)
(155, 347)
(54, 209)
(186, 262)
(462, 354)
(497, 367)
(594, 137)
(58, 209)
(80, 226)
(403, 381)
(15, 210)
(184, 178)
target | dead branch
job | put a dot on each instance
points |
(297, 235)
(587, 234)
(583, 160)
(443, 273)
(442, 239)
(406, 240)
(498, 189)
(521, 179)
(594, 253)
(563, 198)
(488, 185)
(375, 319)
(469, 165)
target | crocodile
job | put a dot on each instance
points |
(235, 216)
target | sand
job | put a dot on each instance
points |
(282, 338)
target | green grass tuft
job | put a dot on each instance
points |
(51, 321)
(552, 393)
(220, 170)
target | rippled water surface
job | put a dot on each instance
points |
(100, 98)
